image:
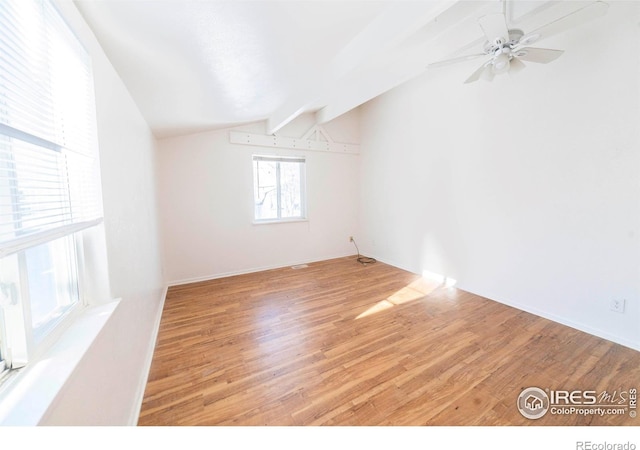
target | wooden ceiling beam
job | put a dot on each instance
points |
(394, 25)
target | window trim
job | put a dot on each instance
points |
(274, 221)
(27, 393)
(35, 239)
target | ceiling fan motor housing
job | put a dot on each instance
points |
(499, 45)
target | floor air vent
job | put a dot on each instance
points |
(299, 266)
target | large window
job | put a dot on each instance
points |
(49, 174)
(278, 188)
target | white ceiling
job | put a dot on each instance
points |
(194, 65)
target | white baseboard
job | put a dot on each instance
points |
(252, 270)
(544, 314)
(575, 325)
(142, 384)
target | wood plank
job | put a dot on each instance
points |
(338, 343)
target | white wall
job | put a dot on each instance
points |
(107, 385)
(526, 190)
(206, 204)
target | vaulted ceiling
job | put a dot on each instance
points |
(195, 65)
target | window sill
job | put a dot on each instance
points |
(27, 394)
(273, 221)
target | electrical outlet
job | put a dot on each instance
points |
(617, 305)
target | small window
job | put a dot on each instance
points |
(278, 188)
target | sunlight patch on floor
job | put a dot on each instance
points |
(439, 278)
(419, 288)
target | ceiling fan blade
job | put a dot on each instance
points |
(488, 73)
(516, 65)
(578, 17)
(494, 26)
(537, 55)
(447, 62)
(484, 71)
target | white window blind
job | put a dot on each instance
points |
(48, 161)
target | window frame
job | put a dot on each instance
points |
(3, 364)
(278, 159)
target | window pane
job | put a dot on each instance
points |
(290, 195)
(53, 282)
(265, 189)
(279, 190)
(12, 314)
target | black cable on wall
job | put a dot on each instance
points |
(364, 260)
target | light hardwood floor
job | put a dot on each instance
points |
(339, 343)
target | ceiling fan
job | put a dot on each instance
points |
(505, 48)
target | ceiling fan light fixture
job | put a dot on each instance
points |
(501, 63)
